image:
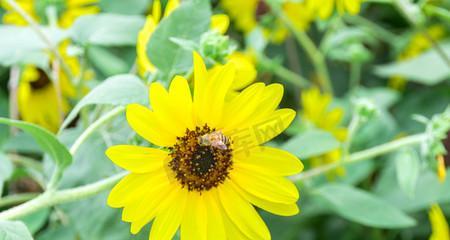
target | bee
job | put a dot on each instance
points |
(215, 139)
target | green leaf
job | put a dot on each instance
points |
(108, 63)
(407, 166)
(311, 143)
(14, 230)
(188, 22)
(428, 68)
(362, 207)
(46, 140)
(124, 7)
(107, 29)
(6, 169)
(23, 45)
(36, 220)
(116, 90)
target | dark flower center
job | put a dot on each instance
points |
(200, 165)
(42, 82)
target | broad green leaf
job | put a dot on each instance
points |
(6, 169)
(23, 45)
(311, 143)
(407, 166)
(124, 7)
(36, 220)
(107, 29)
(428, 68)
(362, 207)
(14, 230)
(187, 22)
(108, 63)
(46, 140)
(116, 90)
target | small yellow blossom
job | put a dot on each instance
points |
(68, 11)
(325, 8)
(316, 110)
(441, 170)
(439, 225)
(418, 44)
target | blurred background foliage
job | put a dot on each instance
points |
(392, 53)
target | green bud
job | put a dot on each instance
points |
(215, 46)
(365, 109)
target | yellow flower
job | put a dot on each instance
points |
(247, 14)
(325, 8)
(441, 171)
(418, 44)
(210, 169)
(316, 110)
(38, 98)
(144, 63)
(67, 10)
(439, 225)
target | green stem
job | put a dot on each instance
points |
(42, 35)
(316, 57)
(355, 75)
(57, 174)
(376, 30)
(49, 199)
(352, 127)
(16, 199)
(282, 72)
(364, 155)
(94, 126)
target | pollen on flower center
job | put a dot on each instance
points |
(199, 166)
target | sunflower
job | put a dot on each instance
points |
(143, 62)
(317, 111)
(418, 44)
(67, 10)
(37, 96)
(210, 168)
(247, 15)
(439, 226)
(325, 8)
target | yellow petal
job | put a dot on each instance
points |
(271, 161)
(242, 213)
(156, 11)
(245, 70)
(144, 122)
(180, 95)
(439, 225)
(144, 64)
(166, 111)
(233, 231)
(171, 6)
(194, 224)
(200, 80)
(137, 159)
(168, 220)
(272, 207)
(215, 225)
(270, 188)
(133, 187)
(220, 22)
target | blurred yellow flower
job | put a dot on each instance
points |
(249, 14)
(143, 61)
(418, 44)
(316, 110)
(38, 98)
(205, 179)
(439, 225)
(325, 8)
(68, 11)
(441, 169)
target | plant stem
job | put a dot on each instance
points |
(355, 74)
(94, 126)
(16, 199)
(282, 72)
(14, 79)
(316, 57)
(377, 31)
(41, 34)
(49, 199)
(57, 174)
(364, 155)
